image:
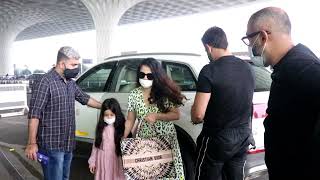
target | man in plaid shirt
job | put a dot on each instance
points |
(52, 115)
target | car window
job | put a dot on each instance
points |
(95, 79)
(262, 77)
(125, 78)
(182, 75)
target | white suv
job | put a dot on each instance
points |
(116, 77)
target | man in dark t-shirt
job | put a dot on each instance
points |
(292, 132)
(223, 103)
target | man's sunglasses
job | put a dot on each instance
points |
(142, 75)
(246, 38)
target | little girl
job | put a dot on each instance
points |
(105, 160)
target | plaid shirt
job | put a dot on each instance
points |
(53, 103)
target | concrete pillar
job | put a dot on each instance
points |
(6, 40)
(11, 25)
(106, 15)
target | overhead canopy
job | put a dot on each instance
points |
(53, 17)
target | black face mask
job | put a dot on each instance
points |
(71, 73)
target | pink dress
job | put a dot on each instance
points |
(108, 164)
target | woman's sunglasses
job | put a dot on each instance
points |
(142, 75)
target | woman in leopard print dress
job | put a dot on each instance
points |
(155, 103)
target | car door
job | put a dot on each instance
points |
(124, 80)
(94, 82)
(184, 76)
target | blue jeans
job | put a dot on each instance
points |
(58, 167)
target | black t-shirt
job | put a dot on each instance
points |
(294, 102)
(230, 81)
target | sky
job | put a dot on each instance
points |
(180, 34)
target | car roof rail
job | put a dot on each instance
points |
(151, 54)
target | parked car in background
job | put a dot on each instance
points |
(116, 77)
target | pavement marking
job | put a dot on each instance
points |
(14, 122)
(19, 156)
(12, 169)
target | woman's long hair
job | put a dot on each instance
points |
(163, 88)
(119, 125)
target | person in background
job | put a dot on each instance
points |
(52, 115)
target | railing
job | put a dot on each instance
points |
(13, 99)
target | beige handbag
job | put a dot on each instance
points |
(148, 158)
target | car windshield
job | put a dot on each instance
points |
(263, 78)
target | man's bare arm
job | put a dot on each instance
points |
(32, 147)
(94, 103)
(199, 107)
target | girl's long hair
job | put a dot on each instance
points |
(119, 125)
(163, 88)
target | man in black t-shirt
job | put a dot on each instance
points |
(292, 131)
(223, 103)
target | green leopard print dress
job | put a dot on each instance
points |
(136, 104)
